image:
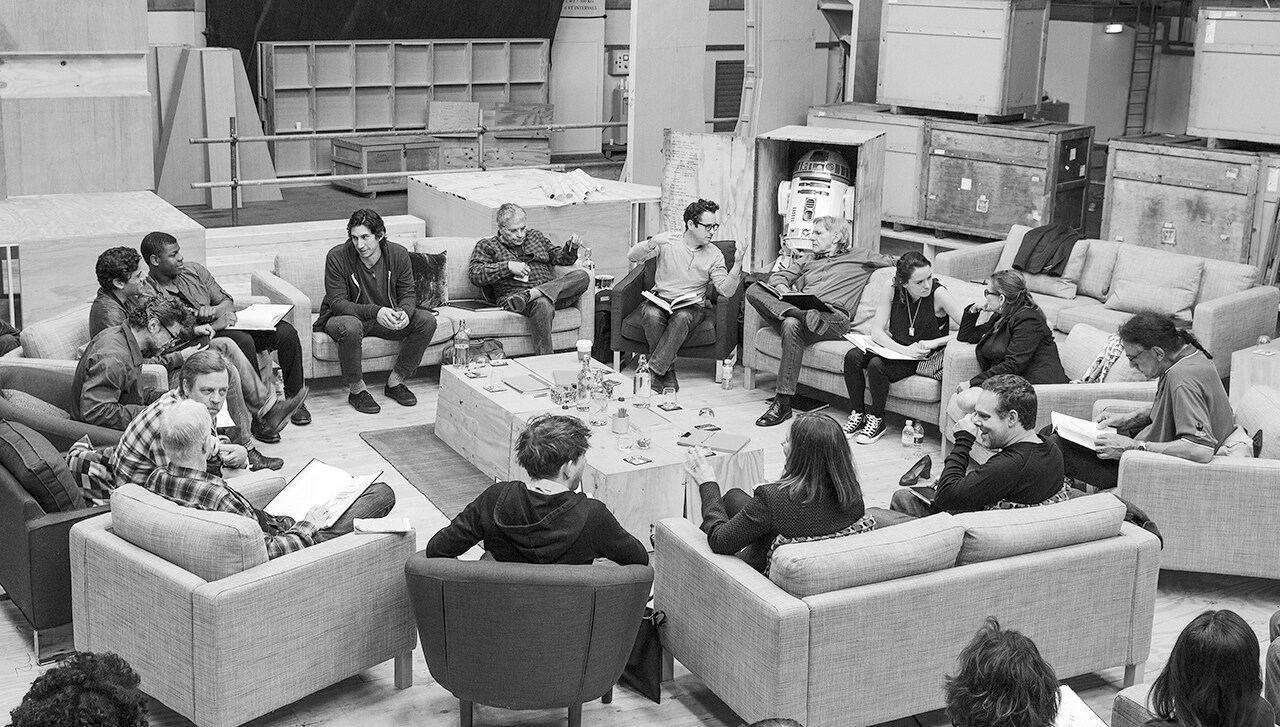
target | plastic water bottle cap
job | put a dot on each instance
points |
(584, 346)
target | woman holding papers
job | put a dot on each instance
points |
(1212, 677)
(817, 497)
(912, 321)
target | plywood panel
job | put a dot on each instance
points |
(255, 160)
(180, 162)
(717, 167)
(72, 74)
(219, 107)
(61, 235)
(89, 144)
(577, 65)
(786, 44)
(668, 42)
(73, 25)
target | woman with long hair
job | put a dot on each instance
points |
(913, 319)
(1212, 677)
(1002, 682)
(817, 495)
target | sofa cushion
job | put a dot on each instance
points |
(1148, 279)
(39, 468)
(211, 545)
(62, 337)
(866, 309)
(1052, 306)
(1098, 316)
(1259, 411)
(1224, 278)
(1099, 264)
(458, 250)
(921, 546)
(501, 324)
(430, 278)
(1083, 345)
(20, 399)
(1057, 287)
(993, 534)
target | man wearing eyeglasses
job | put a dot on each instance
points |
(108, 379)
(516, 269)
(686, 262)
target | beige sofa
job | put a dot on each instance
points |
(219, 633)
(861, 630)
(1105, 281)
(298, 278)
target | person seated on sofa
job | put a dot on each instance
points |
(1002, 682)
(687, 261)
(1189, 418)
(549, 519)
(369, 291)
(122, 279)
(818, 496)
(212, 307)
(205, 380)
(835, 272)
(1025, 470)
(86, 689)
(1212, 677)
(108, 379)
(515, 268)
(184, 480)
(913, 319)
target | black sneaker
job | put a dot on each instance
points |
(400, 394)
(363, 403)
(260, 461)
(300, 416)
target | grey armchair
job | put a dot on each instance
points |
(522, 636)
(51, 383)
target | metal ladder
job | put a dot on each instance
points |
(750, 70)
(1141, 69)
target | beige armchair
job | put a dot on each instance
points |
(219, 633)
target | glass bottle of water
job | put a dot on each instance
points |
(462, 346)
(640, 383)
(908, 439)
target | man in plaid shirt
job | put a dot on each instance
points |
(185, 438)
(515, 268)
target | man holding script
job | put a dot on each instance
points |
(686, 262)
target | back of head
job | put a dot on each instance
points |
(549, 443)
(1002, 682)
(184, 428)
(819, 465)
(85, 690)
(370, 220)
(1212, 677)
(1149, 328)
(1015, 394)
(167, 310)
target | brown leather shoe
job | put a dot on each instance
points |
(274, 420)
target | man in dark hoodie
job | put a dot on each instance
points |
(548, 520)
(369, 291)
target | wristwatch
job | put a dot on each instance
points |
(1142, 446)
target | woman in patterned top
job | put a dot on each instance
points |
(818, 495)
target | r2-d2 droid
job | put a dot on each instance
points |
(819, 186)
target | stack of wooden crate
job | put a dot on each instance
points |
(496, 149)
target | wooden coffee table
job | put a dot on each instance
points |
(483, 427)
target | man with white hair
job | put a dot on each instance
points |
(187, 443)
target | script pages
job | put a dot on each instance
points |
(803, 301)
(683, 301)
(868, 344)
(260, 316)
(1073, 712)
(1081, 431)
(317, 484)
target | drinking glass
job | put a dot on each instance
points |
(625, 441)
(643, 436)
(599, 408)
(669, 397)
(707, 415)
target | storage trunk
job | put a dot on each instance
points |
(975, 56)
(904, 147)
(517, 114)
(516, 152)
(980, 179)
(1176, 194)
(370, 155)
(1234, 92)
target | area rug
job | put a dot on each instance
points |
(448, 480)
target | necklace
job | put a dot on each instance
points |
(911, 322)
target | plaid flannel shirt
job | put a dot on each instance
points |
(488, 267)
(139, 450)
(203, 491)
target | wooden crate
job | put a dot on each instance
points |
(500, 113)
(1236, 50)
(903, 153)
(516, 152)
(980, 179)
(452, 115)
(974, 56)
(375, 154)
(1177, 194)
(778, 151)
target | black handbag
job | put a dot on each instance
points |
(644, 667)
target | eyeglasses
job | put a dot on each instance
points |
(991, 293)
(1134, 357)
(172, 336)
(708, 226)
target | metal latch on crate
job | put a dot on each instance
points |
(1168, 234)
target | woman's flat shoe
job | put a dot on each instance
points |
(919, 471)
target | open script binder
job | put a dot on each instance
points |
(260, 316)
(317, 484)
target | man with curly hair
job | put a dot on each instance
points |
(85, 690)
(1003, 682)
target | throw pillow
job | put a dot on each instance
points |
(1057, 287)
(38, 467)
(995, 534)
(1147, 279)
(430, 278)
(34, 404)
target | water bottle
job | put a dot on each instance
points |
(908, 440)
(919, 444)
(640, 383)
(726, 374)
(584, 384)
(462, 346)
(585, 261)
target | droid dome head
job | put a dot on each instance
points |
(823, 164)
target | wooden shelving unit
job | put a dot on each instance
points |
(326, 86)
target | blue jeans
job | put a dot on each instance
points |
(376, 501)
(667, 332)
(349, 333)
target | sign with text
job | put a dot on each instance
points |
(582, 9)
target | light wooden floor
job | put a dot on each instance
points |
(370, 700)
